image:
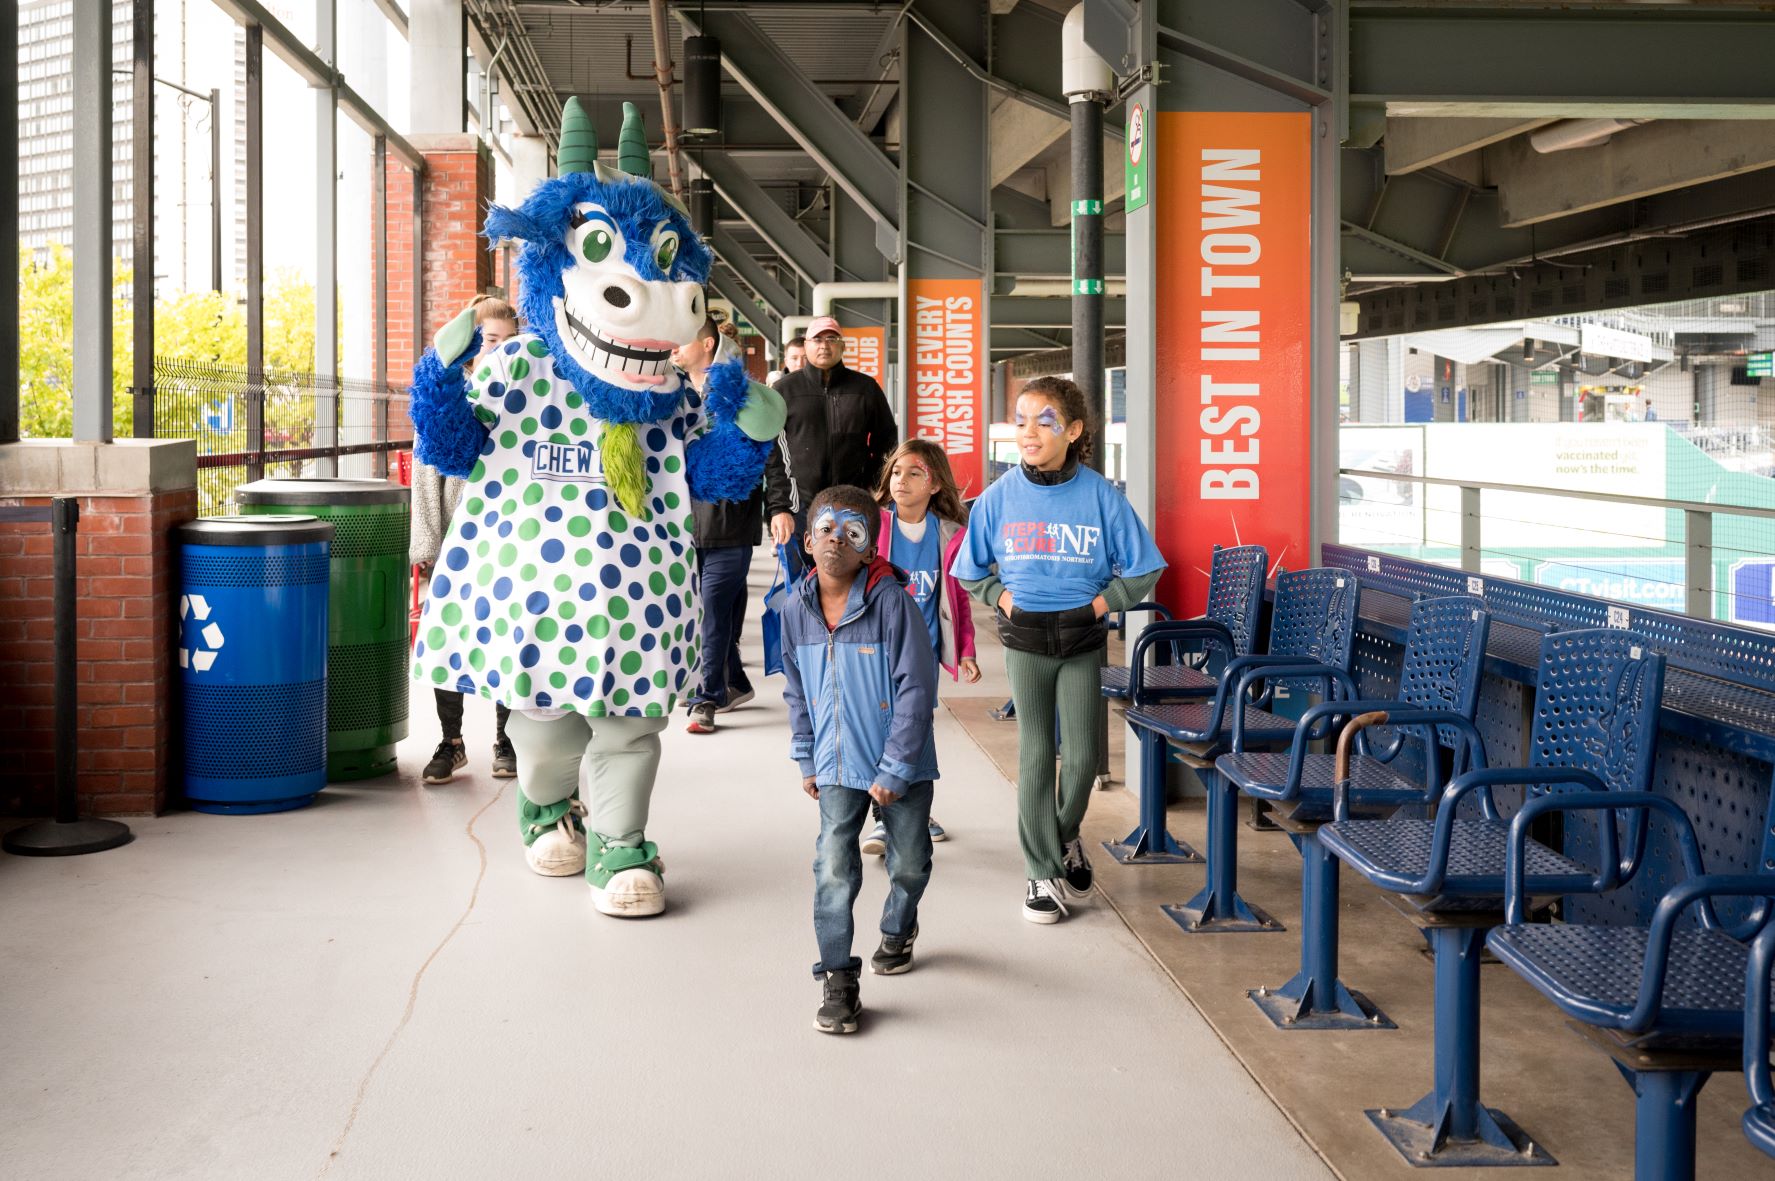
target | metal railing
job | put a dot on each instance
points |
(1698, 548)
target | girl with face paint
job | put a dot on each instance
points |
(1053, 547)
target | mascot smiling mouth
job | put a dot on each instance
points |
(646, 361)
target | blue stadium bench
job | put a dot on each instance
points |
(1312, 637)
(1595, 723)
(1227, 630)
(1438, 694)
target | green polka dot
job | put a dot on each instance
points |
(563, 582)
(655, 556)
(540, 386)
(678, 634)
(619, 608)
(568, 655)
(582, 557)
(529, 529)
(528, 426)
(484, 575)
(500, 627)
(462, 632)
(659, 679)
(673, 463)
(626, 632)
(474, 504)
(477, 659)
(595, 710)
(479, 473)
(485, 373)
(618, 523)
(672, 500)
(439, 675)
(537, 349)
(533, 494)
(672, 530)
(514, 611)
(619, 698)
(657, 582)
(558, 680)
(676, 573)
(521, 686)
(505, 664)
(546, 628)
(574, 401)
(597, 627)
(569, 492)
(568, 610)
(452, 614)
(509, 508)
(519, 369)
(510, 478)
(508, 553)
(655, 710)
(434, 639)
(579, 526)
(527, 572)
(577, 426)
(508, 438)
(561, 438)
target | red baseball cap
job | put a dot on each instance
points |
(823, 324)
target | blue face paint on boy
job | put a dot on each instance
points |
(847, 524)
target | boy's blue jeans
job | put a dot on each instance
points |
(838, 868)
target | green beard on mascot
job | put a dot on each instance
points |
(566, 587)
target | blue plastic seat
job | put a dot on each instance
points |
(1759, 1121)
(1438, 695)
(1595, 723)
(1228, 628)
(1312, 638)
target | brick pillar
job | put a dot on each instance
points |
(132, 494)
(458, 264)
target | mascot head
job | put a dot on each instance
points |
(612, 272)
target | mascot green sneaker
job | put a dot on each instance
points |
(554, 836)
(626, 882)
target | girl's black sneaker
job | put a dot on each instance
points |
(1042, 902)
(840, 1004)
(894, 955)
(1079, 878)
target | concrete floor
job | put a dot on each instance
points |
(377, 987)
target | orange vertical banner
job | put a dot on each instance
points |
(948, 388)
(1233, 196)
(865, 350)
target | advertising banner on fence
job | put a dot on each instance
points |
(1233, 343)
(865, 350)
(947, 403)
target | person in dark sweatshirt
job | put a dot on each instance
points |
(1052, 547)
(860, 680)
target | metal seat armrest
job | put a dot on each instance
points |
(1442, 835)
(1168, 630)
(1664, 921)
(1338, 683)
(1118, 620)
(1756, 1016)
(1611, 871)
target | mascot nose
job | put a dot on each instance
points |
(624, 300)
(616, 297)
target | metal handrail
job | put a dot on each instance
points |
(1697, 506)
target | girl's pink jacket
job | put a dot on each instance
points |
(955, 617)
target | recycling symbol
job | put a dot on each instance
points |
(198, 645)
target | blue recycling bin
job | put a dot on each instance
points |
(253, 661)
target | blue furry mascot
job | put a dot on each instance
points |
(567, 586)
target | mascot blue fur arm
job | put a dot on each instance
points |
(565, 588)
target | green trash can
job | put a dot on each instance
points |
(367, 651)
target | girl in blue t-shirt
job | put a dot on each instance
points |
(1053, 548)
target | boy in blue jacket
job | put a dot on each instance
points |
(860, 680)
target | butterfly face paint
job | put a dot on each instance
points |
(1049, 417)
(846, 524)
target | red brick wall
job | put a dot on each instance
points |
(125, 633)
(457, 267)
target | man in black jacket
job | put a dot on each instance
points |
(726, 533)
(839, 430)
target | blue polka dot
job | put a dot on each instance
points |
(647, 643)
(517, 634)
(492, 490)
(529, 448)
(440, 586)
(654, 615)
(678, 681)
(694, 401)
(583, 687)
(505, 528)
(528, 655)
(642, 684)
(490, 446)
(469, 529)
(551, 417)
(587, 592)
(656, 439)
(537, 603)
(641, 531)
(490, 518)
(653, 465)
(552, 549)
(659, 532)
(482, 608)
(465, 684)
(456, 661)
(543, 699)
(597, 499)
(511, 346)
(457, 558)
(609, 683)
(659, 506)
(605, 541)
(463, 591)
(631, 555)
(419, 648)
(552, 513)
(502, 589)
(514, 401)
(496, 389)
(484, 635)
(610, 576)
(678, 430)
(635, 592)
(610, 655)
(574, 633)
(493, 677)
(672, 605)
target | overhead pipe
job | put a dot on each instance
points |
(1578, 133)
(1060, 288)
(1088, 83)
(662, 72)
(827, 294)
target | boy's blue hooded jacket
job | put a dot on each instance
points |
(860, 696)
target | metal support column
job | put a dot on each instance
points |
(255, 153)
(379, 238)
(326, 242)
(1698, 563)
(1087, 257)
(419, 332)
(1330, 122)
(9, 233)
(215, 190)
(91, 54)
(141, 114)
(1471, 546)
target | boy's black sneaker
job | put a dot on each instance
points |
(894, 955)
(449, 758)
(840, 1005)
(1078, 876)
(1042, 903)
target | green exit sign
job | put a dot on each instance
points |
(1760, 365)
